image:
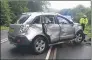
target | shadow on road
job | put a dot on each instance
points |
(21, 50)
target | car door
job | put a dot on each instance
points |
(35, 27)
(66, 28)
(53, 29)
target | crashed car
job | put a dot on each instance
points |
(40, 30)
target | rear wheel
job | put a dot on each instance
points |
(39, 45)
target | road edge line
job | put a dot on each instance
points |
(4, 40)
(55, 52)
(48, 54)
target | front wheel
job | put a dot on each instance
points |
(39, 45)
(79, 37)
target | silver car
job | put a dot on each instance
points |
(40, 30)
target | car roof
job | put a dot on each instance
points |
(40, 13)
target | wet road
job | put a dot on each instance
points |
(68, 51)
(11, 52)
(4, 34)
(64, 51)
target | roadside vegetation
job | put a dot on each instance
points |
(88, 31)
(4, 28)
(11, 10)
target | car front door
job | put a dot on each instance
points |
(67, 29)
(53, 29)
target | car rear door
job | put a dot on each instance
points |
(67, 29)
(52, 29)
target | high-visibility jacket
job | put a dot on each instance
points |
(83, 21)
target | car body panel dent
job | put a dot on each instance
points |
(35, 29)
(53, 30)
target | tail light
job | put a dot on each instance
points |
(24, 28)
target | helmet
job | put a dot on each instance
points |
(84, 16)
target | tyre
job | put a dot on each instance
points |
(39, 45)
(79, 37)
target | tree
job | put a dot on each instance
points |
(5, 13)
(77, 13)
(88, 13)
(36, 6)
(17, 8)
(66, 12)
(11, 10)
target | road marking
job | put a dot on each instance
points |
(55, 52)
(48, 54)
(4, 40)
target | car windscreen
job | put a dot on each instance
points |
(23, 18)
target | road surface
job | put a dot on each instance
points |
(61, 51)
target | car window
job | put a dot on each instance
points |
(62, 20)
(23, 18)
(37, 20)
(49, 19)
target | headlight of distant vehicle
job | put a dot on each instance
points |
(24, 28)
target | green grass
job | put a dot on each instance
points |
(4, 28)
(88, 31)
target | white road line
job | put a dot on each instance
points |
(55, 52)
(4, 40)
(48, 54)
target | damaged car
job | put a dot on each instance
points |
(40, 30)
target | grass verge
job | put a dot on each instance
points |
(4, 28)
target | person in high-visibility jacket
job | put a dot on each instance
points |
(83, 21)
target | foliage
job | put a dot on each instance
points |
(4, 28)
(36, 6)
(77, 13)
(11, 10)
(17, 8)
(5, 13)
(88, 30)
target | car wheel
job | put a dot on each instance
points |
(39, 45)
(79, 37)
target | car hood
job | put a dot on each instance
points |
(77, 24)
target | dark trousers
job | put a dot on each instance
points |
(83, 26)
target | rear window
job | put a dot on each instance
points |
(23, 18)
